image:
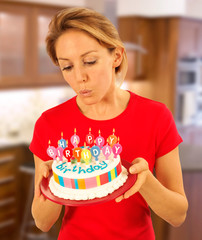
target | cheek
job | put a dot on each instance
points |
(69, 79)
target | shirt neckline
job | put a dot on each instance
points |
(122, 114)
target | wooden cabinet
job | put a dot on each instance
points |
(159, 36)
(10, 160)
(23, 58)
(190, 38)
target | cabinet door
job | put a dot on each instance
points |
(13, 46)
(200, 41)
(47, 71)
(23, 58)
(188, 39)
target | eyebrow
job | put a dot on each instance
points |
(84, 54)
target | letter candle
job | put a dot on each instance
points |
(90, 138)
(106, 150)
(60, 153)
(112, 139)
(67, 153)
(62, 142)
(95, 151)
(86, 156)
(117, 149)
(75, 140)
(100, 140)
(77, 153)
(51, 151)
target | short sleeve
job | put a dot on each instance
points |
(167, 137)
(37, 146)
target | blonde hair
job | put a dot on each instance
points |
(91, 22)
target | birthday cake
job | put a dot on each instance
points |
(91, 171)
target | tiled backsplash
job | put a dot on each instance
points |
(19, 109)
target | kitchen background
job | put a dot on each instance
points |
(164, 44)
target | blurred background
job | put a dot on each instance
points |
(164, 45)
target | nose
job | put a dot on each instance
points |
(80, 74)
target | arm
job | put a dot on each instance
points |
(44, 212)
(165, 193)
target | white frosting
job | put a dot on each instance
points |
(86, 194)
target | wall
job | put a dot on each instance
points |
(19, 109)
(56, 2)
(193, 8)
(151, 8)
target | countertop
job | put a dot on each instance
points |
(8, 142)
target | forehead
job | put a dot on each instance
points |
(76, 42)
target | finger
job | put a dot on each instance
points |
(42, 198)
(139, 165)
(119, 199)
(45, 170)
(135, 188)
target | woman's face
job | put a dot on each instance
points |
(88, 67)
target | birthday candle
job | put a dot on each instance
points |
(77, 153)
(112, 139)
(75, 140)
(67, 153)
(106, 150)
(90, 138)
(62, 142)
(86, 155)
(117, 149)
(95, 151)
(100, 140)
(60, 153)
(51, 151)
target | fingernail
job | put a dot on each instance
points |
(131, 170)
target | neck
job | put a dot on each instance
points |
(112, 105)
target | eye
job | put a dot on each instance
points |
(68, 68)
(90, 62)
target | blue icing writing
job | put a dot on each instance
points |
(92, 168)
(104, 165)
(64, 168)
(61, 165)
(81, 170)
(74, 169)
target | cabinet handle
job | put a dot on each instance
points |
(7, 179)
(7, 159)
(7, 223)
(7, 201)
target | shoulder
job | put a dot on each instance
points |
(146, 105)
(60, 110)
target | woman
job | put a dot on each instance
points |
(92, 58)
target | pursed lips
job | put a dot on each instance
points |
(85, 92)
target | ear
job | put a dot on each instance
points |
(118, 56)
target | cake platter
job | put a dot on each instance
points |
(127, 185)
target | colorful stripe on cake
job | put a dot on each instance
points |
(89, 182)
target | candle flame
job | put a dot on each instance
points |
(89, 130)
(113, 130)
(61, 134)
(74, 130)
(99, 132)
(49, 142)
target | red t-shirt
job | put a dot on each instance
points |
(146, 129)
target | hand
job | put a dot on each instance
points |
(141, 168)
(43, 170)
